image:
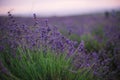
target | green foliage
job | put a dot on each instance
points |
(36, 65)
(91, 44)
(98, 32)
(75, 37)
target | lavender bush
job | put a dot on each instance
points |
(23, 47)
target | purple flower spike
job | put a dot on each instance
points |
(1, 48)
(81, 47)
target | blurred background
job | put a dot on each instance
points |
(56, 7)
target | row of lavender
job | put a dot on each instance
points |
(44, 36)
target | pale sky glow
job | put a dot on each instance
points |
(56, 7)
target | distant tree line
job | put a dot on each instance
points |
(113, 13)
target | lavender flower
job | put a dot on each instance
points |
(1, 48)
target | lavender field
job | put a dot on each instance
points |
(82, 47)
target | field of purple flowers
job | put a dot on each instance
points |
(85, 47)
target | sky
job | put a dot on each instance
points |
(56, 7)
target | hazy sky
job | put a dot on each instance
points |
(56, 7)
